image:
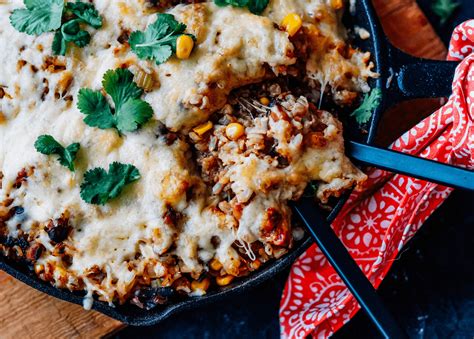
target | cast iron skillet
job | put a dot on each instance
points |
(402, 77)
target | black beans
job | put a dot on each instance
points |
(10, 241)
(21, 178)
(124, 36)
(23, 243)
(149, 297)
(18, 210)
(58, 230)
(282, 162)
(166, 135)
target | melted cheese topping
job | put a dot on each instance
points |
(109, 236)
(234, 48)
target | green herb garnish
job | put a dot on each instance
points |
(78, 14)
(86, 12)
(370, 103)
(254, 6)
(47, 145)
(42, 16)
(129, 113)
(99, 186)
(444, 9)
(70, 32)
(158, 42)
(38, 17)
(311, 189)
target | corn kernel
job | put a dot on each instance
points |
(203, 129)
(215, 265)
(224, 280)
(265, 101)
(234, 130)
(202, 285)
(184, 46)
(336, 4)
(292, 23)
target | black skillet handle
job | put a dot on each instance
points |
(411, 77)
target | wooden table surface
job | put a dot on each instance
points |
(27, 313)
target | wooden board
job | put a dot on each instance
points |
(27, 313)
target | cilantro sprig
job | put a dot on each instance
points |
(254, 6)
(38, 17)
(86, 12)
(100, 186)
(78, 13)
(41, 16)
(371, 101)
(158, 41)
(311, 189)
(47, 145)
(129, 112)
(444, 9)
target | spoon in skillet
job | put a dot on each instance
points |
(429, 170)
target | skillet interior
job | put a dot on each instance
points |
(366, 18)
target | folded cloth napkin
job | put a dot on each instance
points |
(378, 221)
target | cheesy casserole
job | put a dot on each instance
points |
(232, 139)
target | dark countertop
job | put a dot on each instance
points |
(430, 288)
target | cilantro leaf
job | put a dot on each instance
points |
(95, 106)
(42, 16)
(38, 17)
(78, 13)
(47, 145)
(59, 44)
(86, 12)
(130, 111)
(72, 32)
(257, 6)
(234, 3)
(158, 42)
(444, 9)
(133, 114)
(254, 6)
(99, 186)
(120, 86)
(370, 103)
(311, 189)
(70, 155)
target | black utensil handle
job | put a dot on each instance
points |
(347, 269)
(411, 77)
(420, 168)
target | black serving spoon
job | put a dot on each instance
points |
(412, 166)
(347, 269)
